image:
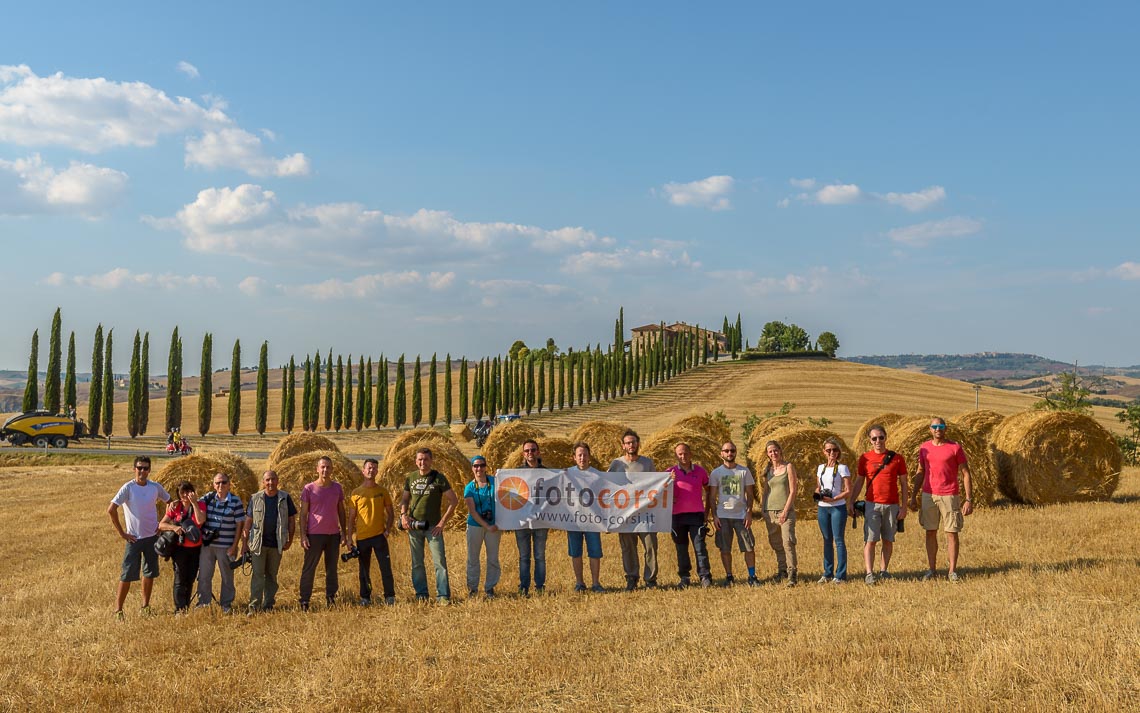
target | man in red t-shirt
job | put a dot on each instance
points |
(884, 472)
(939, 464)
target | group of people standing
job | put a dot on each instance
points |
(211, 530)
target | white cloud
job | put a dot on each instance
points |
(815, 280)
(917, 201)
(783, 203)
(839, 194)
(628, 260)
(252, 286)
(367, 286)
(711, 193)
(238, 149)
(805, 184)
(922, 234)
(188, 69)
(30, 186)
(123, 278)
(248, 221)
(97, 114)
(1126, 271)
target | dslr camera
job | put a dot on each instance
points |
(245, 559)
(823, 493)
(415, 525)
(353, 553)
(488, 516)
(209, 534)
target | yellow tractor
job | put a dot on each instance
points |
(42, 429)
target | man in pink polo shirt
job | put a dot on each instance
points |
(690, 482)
(322, 531)
(939, 462)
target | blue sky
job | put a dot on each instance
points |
(452, 177)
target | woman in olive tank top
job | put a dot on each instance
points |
(780, 512)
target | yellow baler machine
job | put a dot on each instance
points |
(42, 429)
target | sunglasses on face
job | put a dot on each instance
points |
(938, 427)
(478, 466)
(221, 482)
(830, 450)
(727, 450)
(530, 450)
(876, 439)
(142, 467)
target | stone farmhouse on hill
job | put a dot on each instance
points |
(645, 337)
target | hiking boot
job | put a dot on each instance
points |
(928, 576)
(706, 582)
(792, 581)
(684, 583)
(869, 579)
(953, 577)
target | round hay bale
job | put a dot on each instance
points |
(506, 438)
(446, 458)
(1049, 457)
(982, 422)
(803, 448)
(297, 443)
(417, 435)
(199, 470)
(716, 428)
(862, 440)
(604, 438)
(767, 427)
(704, 448)
(242, 478)
(556, 453)
(906, 437)
(462, 432)
(296, 472)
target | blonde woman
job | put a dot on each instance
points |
(832, 485)
(780, 511)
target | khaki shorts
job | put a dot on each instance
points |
(944, 510)
(744, 538)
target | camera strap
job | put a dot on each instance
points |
(886, 461)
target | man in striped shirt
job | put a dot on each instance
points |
(225, 515)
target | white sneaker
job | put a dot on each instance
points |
(824, 579)
(869, 579)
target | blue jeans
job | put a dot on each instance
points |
(416, 540)
(525, 539)
(593, 544)
(831, 523)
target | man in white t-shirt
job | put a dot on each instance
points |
(733, 489)
(138, 498)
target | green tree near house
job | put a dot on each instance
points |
(233, 419)
(108, 400)
(399, 399)
(827, 343)
(447, 414)
(134, 388)
(95, 396)
(70, 399)
(144, 403)
(417, 394)
(31, 386)
(206, 385)
(261, 397)
(433, 392)
(55, 356)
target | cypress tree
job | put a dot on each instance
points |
(636, 359)
(330, 384)
(261, 400)
(382, 393)
(477, 391)
(307, 393)
(561, 383)
(55, 356)
(70, 399)
(234, 411)
(108, 387)
(173, 387)
(349, 406)
(541, 384)
(284, 394)
(399, 400)
(31, 387)
(338, 395)
(496, 387)
(361, 389)
(433, 392)
(464, 411)
(738, 332)
(417, 395)
(447, 390)
(585, 378)
(134, 388)
(144, 401)
(315, 397)
(530, 390)
(506, 385)
(206, 386)
(291, 406)
(367, 409)
(95, 393)
(550, 382)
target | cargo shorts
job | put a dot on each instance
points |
(880, 522)
(744, 538)
(944, 510)
(139, 553)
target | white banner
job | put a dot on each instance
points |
(532, 499)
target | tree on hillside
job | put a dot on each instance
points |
(206, 385)
(55, 356)
(330, 384)
(447, 414)
(108, 399)
(382, 393)
(399, 399)
(464, 403)
(234, 411)
(315, 396)
(827, 343)
(738, 333)
(516, 347)
(95, 395)
(134, 388)
(338, 395)
(261, 399)
(477, 391)
(433, 392)
(492, 393)
(1069, 395)
(31, 387)
(1130, 443)
(69, 396)
(173, 384)
(541, 395)
(366, 408)
(284, 396)
(349, 407)
(363, 382)
(144, 402)
(291, 406)
(307, 393)
(417, 395)
(771, 337)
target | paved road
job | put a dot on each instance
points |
(156, 454)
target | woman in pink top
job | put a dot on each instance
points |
(690, 482)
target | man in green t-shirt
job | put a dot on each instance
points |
(425, 491)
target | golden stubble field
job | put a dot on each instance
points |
(1046, 618)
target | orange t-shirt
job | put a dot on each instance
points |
(884, 487)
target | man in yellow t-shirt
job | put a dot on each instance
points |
(370, 518)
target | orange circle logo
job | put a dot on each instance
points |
(513, 493)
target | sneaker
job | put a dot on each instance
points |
(792, 581)
(226, 609)
(953, 577)
(120, 616)
(884, 574)
(837, 580)
(630, 585)
(443, 601)
(779, 577)
(729, 580)
(365, 601)
(304, 606)
(869, 579)
(684, 583)
(390, 601)
(824, 579)
(928, 576)
(200, 605)
(706, 582)
(579, 587)
(540, 590)
(524, 591)
(753, 582)
(490, 593)
(421, 599)
(146, 611)
(651, 585)
(471, 593)
(598, 589)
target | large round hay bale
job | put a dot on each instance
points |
(604, 438)
(1049, 457)
(704, 448)
(862, 440)
(200, 470)
(297, 443)
(296, 472)
(717, 427)
(768, 426)
(446, 458)
(243, 480)
(417, 435)
(462, 432)
(505, 438)
(906, 437)
(982, 422)
(556, 453)
(803, 448)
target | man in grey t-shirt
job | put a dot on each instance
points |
(631, 462)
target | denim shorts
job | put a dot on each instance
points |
(140, 552)
(593, 544)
